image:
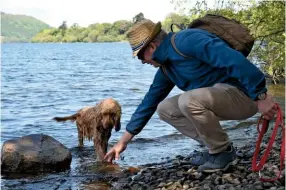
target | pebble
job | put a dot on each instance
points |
(258, 187)
(267, 184)
(207, 187)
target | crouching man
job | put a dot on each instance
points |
(219, 83)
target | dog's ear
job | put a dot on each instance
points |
(117, 125)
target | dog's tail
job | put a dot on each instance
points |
(62, 119)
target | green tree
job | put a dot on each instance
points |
(138, 18)
(63, 27)
(121, 26)
(174, 18)
(268, 27)
(93, 35)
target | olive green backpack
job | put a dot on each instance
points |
(236, 35)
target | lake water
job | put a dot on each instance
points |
(41, 81)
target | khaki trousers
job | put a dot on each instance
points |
(196, 113)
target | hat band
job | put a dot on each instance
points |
(135, 48)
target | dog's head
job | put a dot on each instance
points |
(110, 111)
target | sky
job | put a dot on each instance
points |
(85, 12)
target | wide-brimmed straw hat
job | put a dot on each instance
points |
(141, 34)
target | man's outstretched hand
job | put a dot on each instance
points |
(267, 107)
(118, 148)
(115, 151)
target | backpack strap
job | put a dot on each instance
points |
(175, 47)
(164, 70)
(175, 24)
(163, 67)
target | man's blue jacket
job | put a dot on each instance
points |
(212, 61)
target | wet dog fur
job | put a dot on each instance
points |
(96, 122)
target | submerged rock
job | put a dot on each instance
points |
(34, 153)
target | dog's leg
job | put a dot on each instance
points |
(80, 141)
(80, 135)
(100, 140)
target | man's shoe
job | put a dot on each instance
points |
(200, 158)
(220, 161)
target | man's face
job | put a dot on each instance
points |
(145, 55)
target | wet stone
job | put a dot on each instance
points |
(267, 184)
(34, 154)
(277, 183)
(221, 187)
(231, 188)
(137, 178)
(186, 186)
(162, 184)
(244, 181)
(207, 187)
(258, 187)
(258, 183)
(180, 173)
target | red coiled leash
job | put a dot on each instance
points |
(278, 123)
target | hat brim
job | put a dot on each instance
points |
(156, 30)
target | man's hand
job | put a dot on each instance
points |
(267, 107)
(115, 151)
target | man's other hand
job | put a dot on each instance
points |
(267, 107)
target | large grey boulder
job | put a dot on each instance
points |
(34, 154)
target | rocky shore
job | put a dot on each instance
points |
(178, 173)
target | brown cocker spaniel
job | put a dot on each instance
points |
(96, 122)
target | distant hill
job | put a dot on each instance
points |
(20, 28)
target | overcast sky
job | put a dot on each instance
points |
(85, 12)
